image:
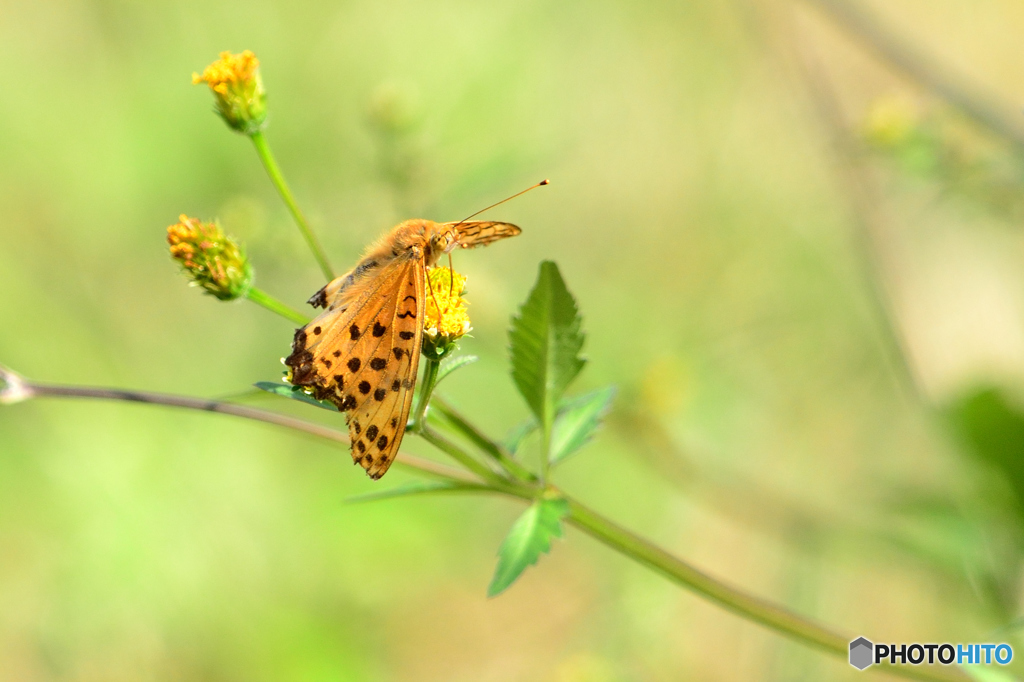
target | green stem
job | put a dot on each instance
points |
(14, 388)
(745, 605)
(275, 306)
(478, 438)
(263, 149)
(545, 449)
(461, 456)
(427, 384)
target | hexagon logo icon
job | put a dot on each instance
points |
(861, 653)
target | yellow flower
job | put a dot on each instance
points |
(445, 317)
(210, 258)
(237, 87)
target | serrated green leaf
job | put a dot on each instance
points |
(517, 434)
(295, 393)
(529, 537)
(545, 341)
(450, 364)
(577, 421)
(417, 488)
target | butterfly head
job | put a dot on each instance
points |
(440, 239)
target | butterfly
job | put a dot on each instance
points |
(363, 351)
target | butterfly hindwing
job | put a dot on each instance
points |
(363, 358)
(377, 425)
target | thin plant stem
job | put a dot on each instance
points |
(870, 231)
(545, 449)
(478, 438)
(14, 388)
(264, 299)
(459, 455)
(263, 150)
(743, 604)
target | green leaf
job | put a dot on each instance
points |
(992, 427)
(295, 393)
(517, 434)
(529, 537)
(577, 421)
(417, 488)
(545, 341)
(450, 364)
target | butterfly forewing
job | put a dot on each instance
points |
(483, 232)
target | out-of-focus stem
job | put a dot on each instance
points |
(263, 150)
(939, 79)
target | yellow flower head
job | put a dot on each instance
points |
(237, 87)
(210, 258)
(445, 318)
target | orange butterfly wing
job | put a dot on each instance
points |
(482, 232)
(364, 359)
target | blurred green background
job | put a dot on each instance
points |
(820, 358)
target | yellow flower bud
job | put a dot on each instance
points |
(445, 318)
(210, 258)
(235, 82)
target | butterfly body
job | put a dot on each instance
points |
(362, 353)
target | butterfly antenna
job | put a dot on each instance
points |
(517, 194)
